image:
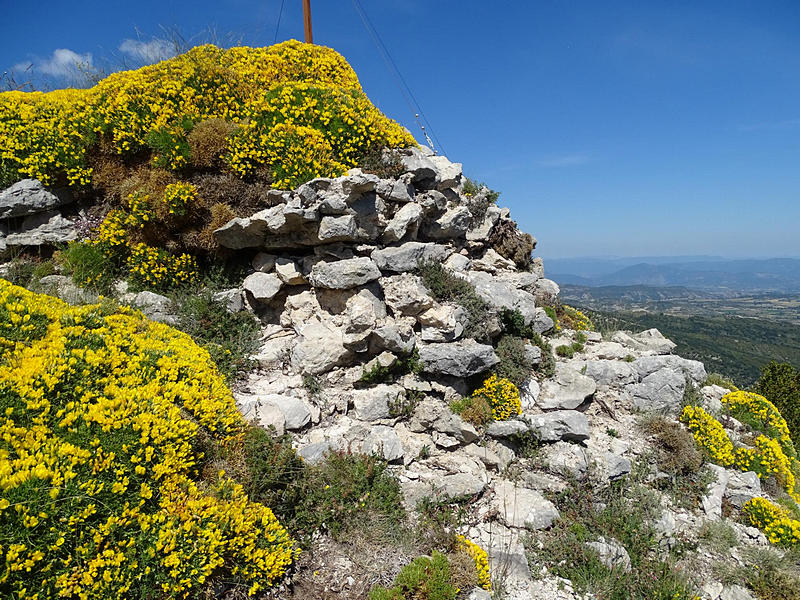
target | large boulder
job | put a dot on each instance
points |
(452, 224)
(567, 390)
(661, 392)
(646, 341)
(560, 425)
(240, 232)
(407, 256)
(693, 369)
(501, 294)
(29, 197)
(611, 373)
(459, 359)
(344, 274)
(319, 348)
(521, 507)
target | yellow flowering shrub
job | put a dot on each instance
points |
(774, 521)
(757, 410)
(48, 135)
(574, 319)
(178, 196)
(709, 435)
(101, 416)
(481, 559)
(157, 268)
(502, 396)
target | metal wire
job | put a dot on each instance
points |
(278, 24)
(405, 89)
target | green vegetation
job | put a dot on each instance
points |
(770, 575)
(425, 578)
(380, 374)
(514, 325)
(721, 381)
(570, 350)
(230, 338)
(473, 409)
(446, 287)
(780, 384)
(623, 511)
(514, 364)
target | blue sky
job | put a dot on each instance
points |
(610, 128)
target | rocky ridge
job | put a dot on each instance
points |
(335, 284)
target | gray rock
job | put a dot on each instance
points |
(479, 594)
(712, 397)
(459, 359)
(661, 391)
(374, 404)
(567, 390)
(42, 229)
(262, 287)
(453, 224)
(263, 262)
(231, 298)
(735, 592)
(431, 415)
(611, 373)
(458, 263)
(242, 233)
(338, 229)
(406, 257)
(503, 295)
(504, 429)
(546, 292)
(344, 274)
(612, 554)
(645, 341)
(29, 197)
(64, 287)
(314, 453)
(393, 338)
(396, 190)
(383, 441)
(296, 411)
(492, 262)
(155, 306)
(616, 466)
(458, 485)
(560, 425)
(448, 174)
(420, 166)
(566, 459)
(265, 414)
(405, 220)
(289, 272)
(541, 322)
(690, 368)
(482, 231)
(742, 487)
(712, 501)
(442, 323)
(521, 507)
(318, 349)
(405, 294)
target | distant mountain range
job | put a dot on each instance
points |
(710, 274)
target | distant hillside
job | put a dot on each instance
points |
(708, 274)
(734, 346)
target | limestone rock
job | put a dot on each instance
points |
(406, 257)
(712, 501)
(546, 292)
(374, 404)
(522, 507)
(262, 287)
(29, 197)
(612, 554)
(419, 165)
(155, 306)
(690, 368)
(660, 391)
(241, 233)
(338, 229)
(406, 220)
(442, 323)
(64, 287)
(459, 359)
(289, 272)
(296, 412)
(560, 425)
(318, 349)
(742, 487)
(569, 460)
(42, 229)
(448, 174)
(405, 294)
(567, 390)
(344, 274)
(611, 373)
(453, 224)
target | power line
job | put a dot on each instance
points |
(405, 89)
(278, 24)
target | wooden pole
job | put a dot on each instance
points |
(307, 20)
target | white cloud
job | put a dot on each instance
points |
(63, 63)
(148, 52)
(567, 160)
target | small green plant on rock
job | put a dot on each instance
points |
(425, 578)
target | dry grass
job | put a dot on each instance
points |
(207, 141)
(511, 243)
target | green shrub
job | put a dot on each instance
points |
(403, 366)
(230, 338)
(425, 578)
(623, 511)
(89, 266)
(780, 384)
(473, 409)
(446, 287)
(513, 323)
(343, 490)
(514, 364)
(720, 380)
